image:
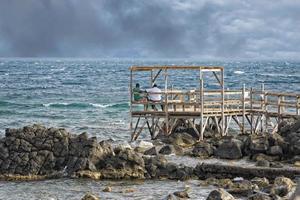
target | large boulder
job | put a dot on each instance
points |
(123, 164)
(182, 139)
(39, 151)
(258, 144)
(275, 151)
(230, 149)
(203, 150)
(220, 194)
(290, 131)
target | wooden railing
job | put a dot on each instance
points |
(239, 100)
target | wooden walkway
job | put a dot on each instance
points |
(247, 109)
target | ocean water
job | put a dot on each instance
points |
(92, 95)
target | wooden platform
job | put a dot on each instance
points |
(251, 109)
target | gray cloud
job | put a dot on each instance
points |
(237, 29)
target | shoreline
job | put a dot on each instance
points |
(39, 153)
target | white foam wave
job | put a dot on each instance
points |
(100, 105)
(51, 104)
(238, 72)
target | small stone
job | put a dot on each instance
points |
(90, 196)
(297, 164)
(107, 189)
(220, 194)
(260, 182)
(129, 190)
(182, 194)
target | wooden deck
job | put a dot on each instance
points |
(251, 110)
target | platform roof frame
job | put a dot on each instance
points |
(214, 69)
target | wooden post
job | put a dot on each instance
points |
(297, 105)
(244, 107)
(262, 107)
(166, 101)
(279, 108)
(130, 92)
(202, 107)
(222, 104)
(151, 80)
(251, 108)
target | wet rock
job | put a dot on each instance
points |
(145, 144)
(220, 194)
(179, 172)
(261, 156)
(151, 152)
(90, 196)
(229, 149)
(223, 183)
(39, 151)
(107, 189)
(155, 166)
(171, 197)
(182, 194)
(282, 186)
(88, 174)
(129, 190)
(243, 187)
(275, 151)
(259, 196)
(260, 182)
(123, 164)
(167, 150)
(203, 150)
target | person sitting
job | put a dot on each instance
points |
(154, 95)
(138, 94)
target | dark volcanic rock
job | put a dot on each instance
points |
(168, 149)
(39, 151)
(152, 151)
(258, 144)
(229, 149)
(203, 150)
(275, 151)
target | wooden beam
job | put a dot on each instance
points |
(216, 76)
(155, 77)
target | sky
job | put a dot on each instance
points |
(202, 29)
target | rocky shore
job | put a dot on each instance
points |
(36, 152)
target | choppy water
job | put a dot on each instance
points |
(92, 96)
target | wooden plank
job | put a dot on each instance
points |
(148, 68)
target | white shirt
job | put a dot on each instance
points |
(154, 97)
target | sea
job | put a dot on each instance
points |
(92, 95)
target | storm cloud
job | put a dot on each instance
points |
(231, 29)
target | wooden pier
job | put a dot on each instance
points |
(249, 110)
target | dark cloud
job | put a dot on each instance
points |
(158, 28)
